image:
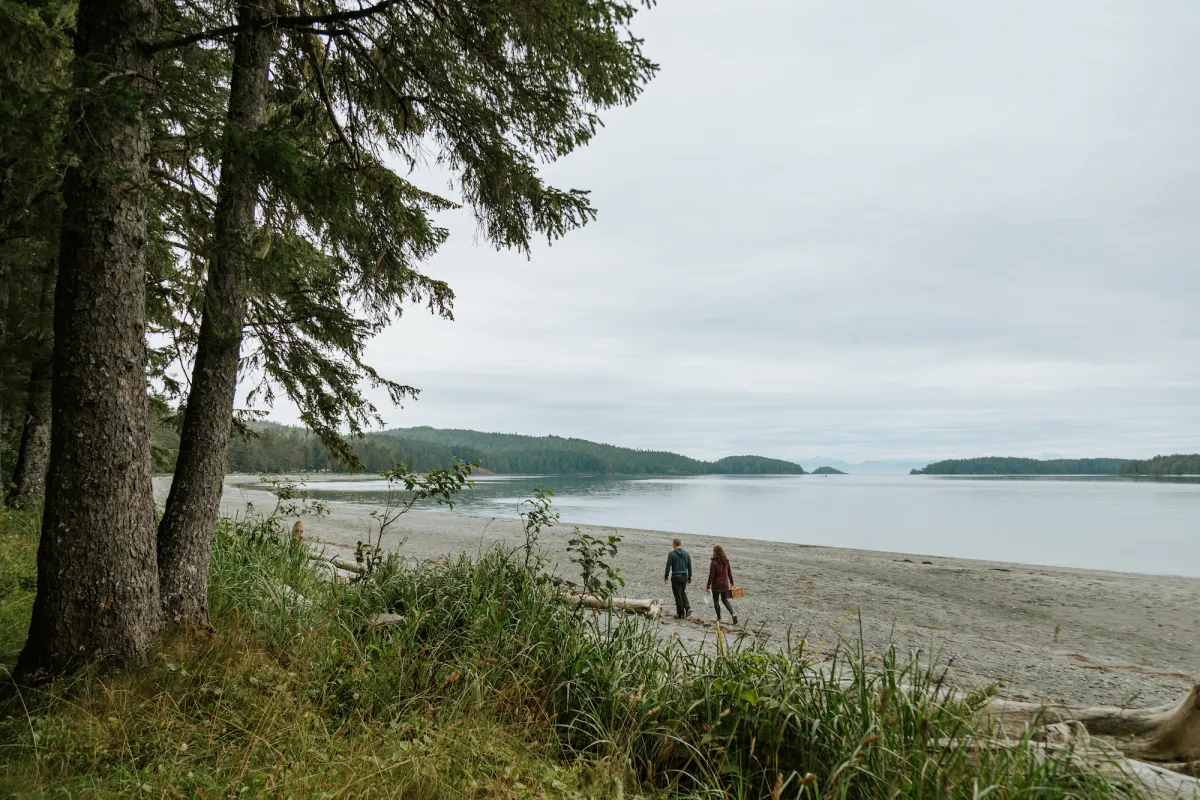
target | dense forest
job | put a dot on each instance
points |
(827, 471)
(994, 465)
(267, 447)
(1164, 465)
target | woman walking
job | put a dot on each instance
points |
(720, 580)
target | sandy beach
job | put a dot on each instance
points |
(1047, 633)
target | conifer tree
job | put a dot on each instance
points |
(488, 88)
(97, 590)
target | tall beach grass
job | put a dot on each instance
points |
(491, 687)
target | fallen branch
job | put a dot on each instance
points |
(383, 621)
(327, 570)
(340, 563)
(651, 608)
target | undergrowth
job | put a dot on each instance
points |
(491, 687)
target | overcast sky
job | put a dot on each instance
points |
(883, 229)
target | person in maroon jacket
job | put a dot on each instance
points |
(720, 580)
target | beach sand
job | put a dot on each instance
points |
(1045, 633)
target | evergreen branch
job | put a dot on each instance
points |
(300, 21)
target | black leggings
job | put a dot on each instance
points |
(723, 597)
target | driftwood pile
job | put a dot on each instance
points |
(1160, 746)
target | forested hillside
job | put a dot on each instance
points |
(1164, 465)
(994, 465)
(278, 448)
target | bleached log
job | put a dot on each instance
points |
(1165, 733)
(651, 608)
(326, 570)
(348, 566)
(298, 599)
(340, 563)
(1156, 782)
(381, 621)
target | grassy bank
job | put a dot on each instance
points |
(490, 688)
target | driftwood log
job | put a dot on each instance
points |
(337, 563)
(1160, 747)
(651, 608)
(328, 570)
(379, 622)
(297, 599)
(1169, 733)
(1155, 781)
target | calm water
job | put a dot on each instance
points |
(1098, 523)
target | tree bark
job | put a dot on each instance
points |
(97, 591)
(185, 534)
(33, 456)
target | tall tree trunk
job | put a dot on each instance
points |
(33, 456)
(185, 534)
(97, 592)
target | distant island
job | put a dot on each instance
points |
(994, 465)
(827, 471)
(1163, 465)
(277, 448)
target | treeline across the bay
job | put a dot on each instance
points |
(280, 448)
(1164, 465)
(995, 465)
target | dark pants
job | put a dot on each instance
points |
(679, 589)
(723, 597)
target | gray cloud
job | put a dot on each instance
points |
(904, 229)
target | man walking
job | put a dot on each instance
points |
(679, 573)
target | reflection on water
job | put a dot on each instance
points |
(1094, 522)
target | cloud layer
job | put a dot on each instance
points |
(869, 230)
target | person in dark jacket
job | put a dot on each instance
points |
(679, 573)
(720, 580)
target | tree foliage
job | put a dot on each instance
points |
(277, 448)
(1163, 465)
(993, 465)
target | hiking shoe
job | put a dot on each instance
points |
(735, 620)
(689, 612)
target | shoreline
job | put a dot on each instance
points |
(1058, 634)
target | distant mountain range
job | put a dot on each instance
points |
(279, 448)
(882, 467)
